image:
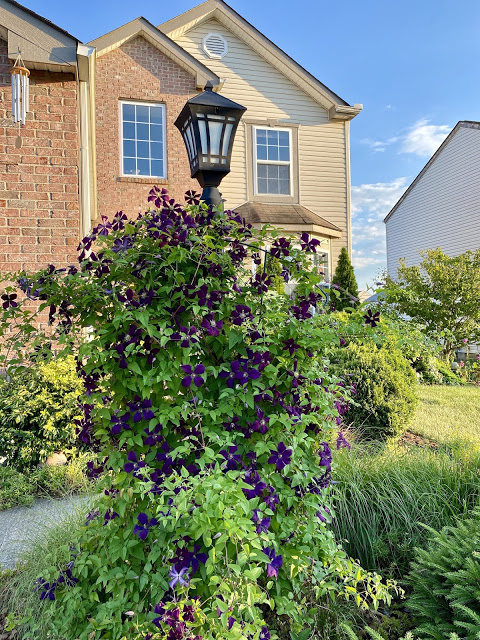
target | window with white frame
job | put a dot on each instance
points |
(273, 161)
(143, 139)
(321, 265)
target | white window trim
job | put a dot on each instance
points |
(255, 128)
(120, 137)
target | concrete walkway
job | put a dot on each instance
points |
(20, 526)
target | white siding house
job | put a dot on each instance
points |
(441, 208)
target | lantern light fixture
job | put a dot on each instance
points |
(20, 90)
(208, 123)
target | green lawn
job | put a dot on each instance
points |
(449, 415)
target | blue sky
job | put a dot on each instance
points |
(412, 63)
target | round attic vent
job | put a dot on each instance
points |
(215, 46)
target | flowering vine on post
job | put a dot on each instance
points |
(213, 417)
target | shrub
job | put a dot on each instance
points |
(445, 579)
(38, 406)
(345, 282)
(382, 496)
(15, 489)
(214, 419)
(385, 394)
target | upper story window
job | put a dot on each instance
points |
(273, 161)
(143, 139)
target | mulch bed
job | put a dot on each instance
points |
(413, 439)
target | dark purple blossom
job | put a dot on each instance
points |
(133, 465)
(261, 282)
(342, 442)
(281, 457)
(280, 247)
(262, 523)
(240, 373)
(325, 455)
(144, 524)
(212, 326)
(260, 425)
(291, 346)
(122, 245)
(191, 197)
(208, 298)
(231, 622)
(9, 300)
(264, 634)
(215, 270)
(186, 336)
(233, 459)
(275, 564)
(297, 378)
(372, 318)
(241, 314)
(193, 375)
(308, 244)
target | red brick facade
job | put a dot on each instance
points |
(138, 71)
(39, 211)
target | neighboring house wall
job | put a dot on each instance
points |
(442, 209)
(322, 154)
(39, 212)
(138, 71)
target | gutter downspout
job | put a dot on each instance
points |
(87, 173)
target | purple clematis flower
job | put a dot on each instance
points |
(193, 375)
(122, 245)
(261, 423)
(342, 442)
(9, 300)
(291, 346)
(133, 465)
(261, 282)
(208, 298)
(142, 529)
(372, 318)
(264, 634)
(241, 314)
(323, 514)
(212, 326)
(325, 457)
(281, 457)
(308, 244)
(274, 566)
(231, 622)
(297, 379)
(233, 459)
(262, 523)
(186, 336)
(280, 247)
(178, 577)
(215, 270)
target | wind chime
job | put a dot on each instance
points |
(20, 93)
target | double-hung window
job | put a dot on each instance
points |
(143, 139)
(272, 161)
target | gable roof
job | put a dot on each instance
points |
(462, 124)
(43, 44)
(142, 27)
(221, 11)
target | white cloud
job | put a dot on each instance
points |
(370, 204)
(423, 138)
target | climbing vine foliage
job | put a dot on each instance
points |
(213, 414)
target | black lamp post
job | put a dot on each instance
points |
(208, 123)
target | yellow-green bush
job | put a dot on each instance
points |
(38, 407)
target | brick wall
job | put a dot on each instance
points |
(138, 71)
(39, 211)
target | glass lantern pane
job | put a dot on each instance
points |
(226, 138)
(215, 128)
(203, 135)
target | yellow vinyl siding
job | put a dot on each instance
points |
(267, 93)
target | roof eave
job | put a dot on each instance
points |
(142, 27)
(296, 73)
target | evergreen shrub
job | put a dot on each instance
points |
(385, 388)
